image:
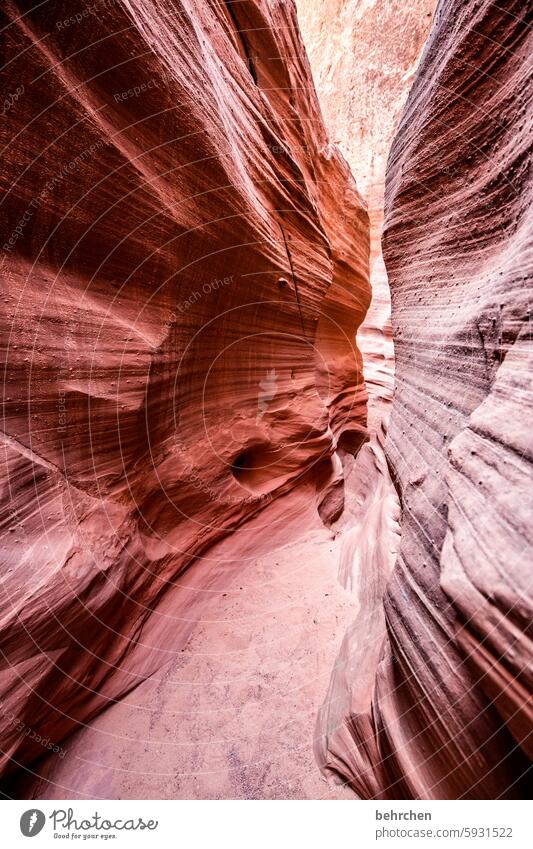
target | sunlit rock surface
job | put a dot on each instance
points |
(450, 714)
(184, 267)
(363, 54)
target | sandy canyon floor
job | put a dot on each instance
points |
(231, 715)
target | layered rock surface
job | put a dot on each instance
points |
(363, 56)
(184, 267)
(451, 714)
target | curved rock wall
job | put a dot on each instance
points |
(363, 56)
(362, 81)
(184, 266)
(451, 713)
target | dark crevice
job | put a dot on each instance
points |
(244, 43)
(289, 258)
(395, 479)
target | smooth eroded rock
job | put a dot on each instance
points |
(184, 267)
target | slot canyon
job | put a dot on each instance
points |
(266, 507)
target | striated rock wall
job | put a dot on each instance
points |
(451, 713)
(184, 267)
(363, 56)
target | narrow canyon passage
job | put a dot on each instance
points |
(243, 533)
(185, 558)
(232, 714)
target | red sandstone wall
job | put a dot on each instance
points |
(184, 266)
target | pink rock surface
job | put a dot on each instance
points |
(363, 55)
(185, 265)
(451, 713)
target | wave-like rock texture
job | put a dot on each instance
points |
(362, 83)
(451, 713)
(184, 267)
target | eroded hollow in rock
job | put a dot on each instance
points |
(259, 468)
